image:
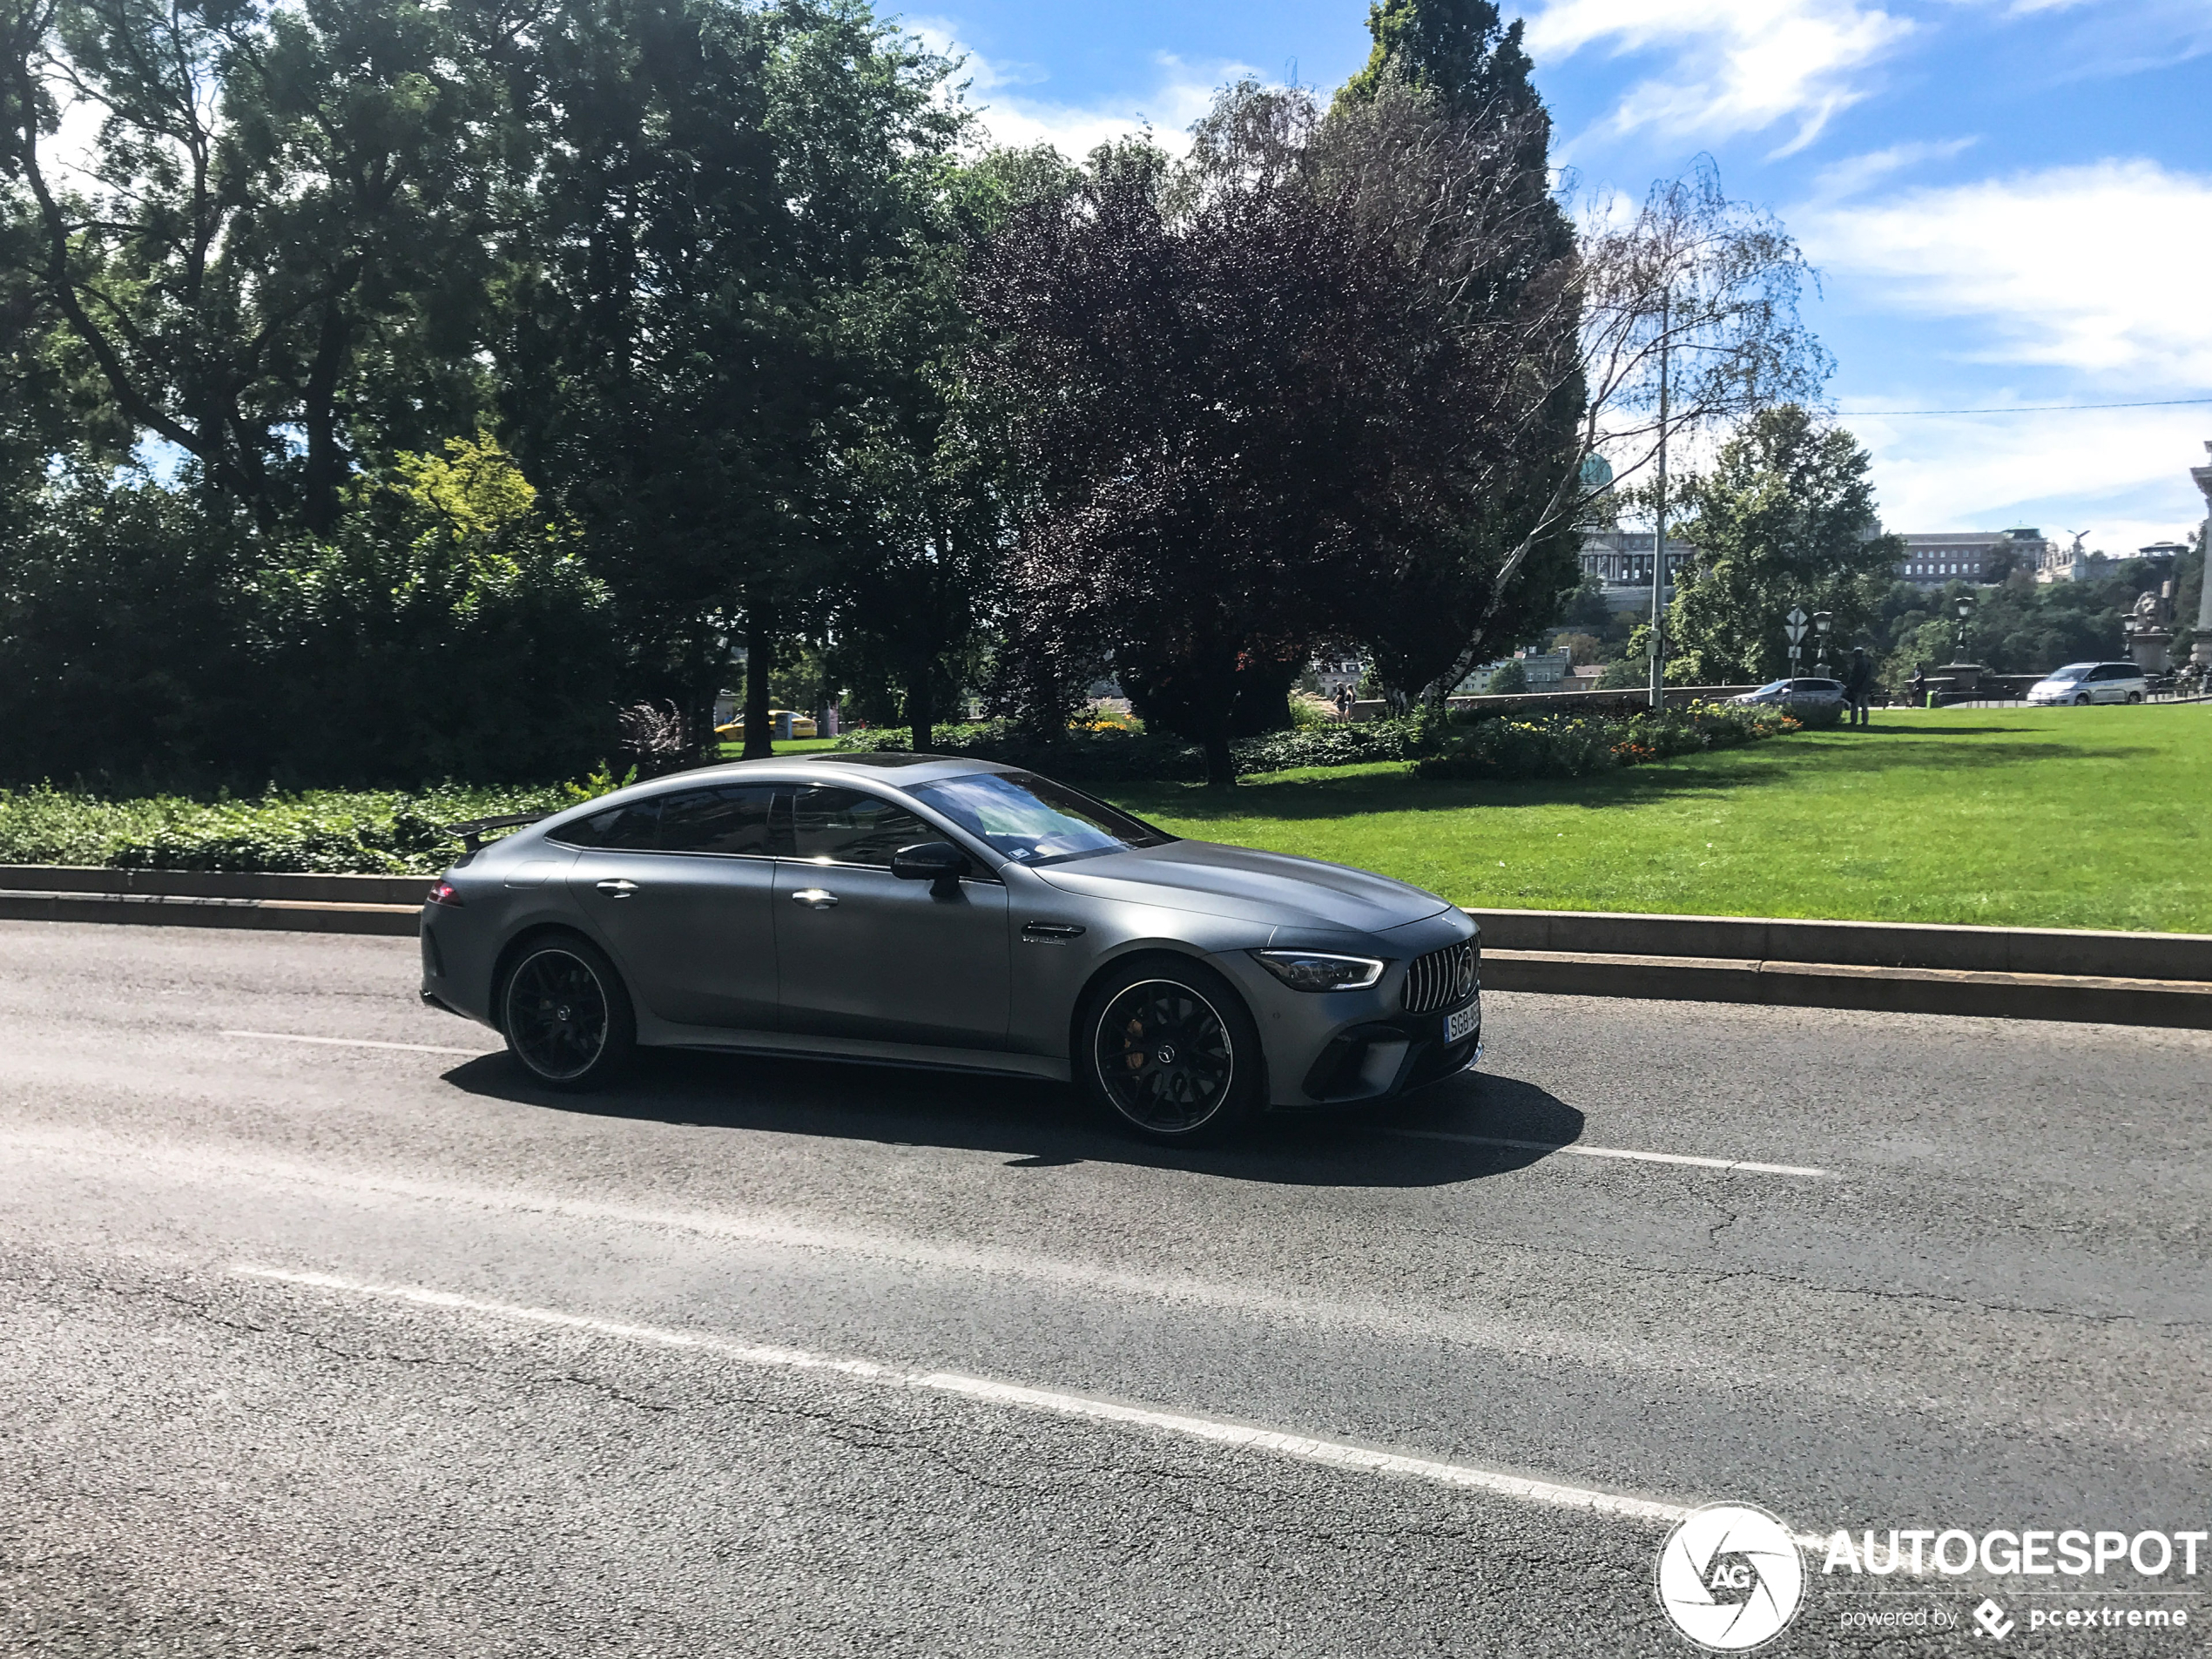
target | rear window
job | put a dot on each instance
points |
(633, 827)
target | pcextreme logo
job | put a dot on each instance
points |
(1731, 1577)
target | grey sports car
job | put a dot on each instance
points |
(924, 910)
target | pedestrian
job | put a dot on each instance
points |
(1920, 688)
(1343, 703)
(1858, 684)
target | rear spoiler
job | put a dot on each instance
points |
(471, 833)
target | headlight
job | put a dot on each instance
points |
(1318, 970)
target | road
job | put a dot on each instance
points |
(327, 1346)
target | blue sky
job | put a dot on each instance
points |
(2009, 201)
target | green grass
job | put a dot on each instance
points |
(2061, 818)
(786, 746)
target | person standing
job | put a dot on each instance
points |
(1858, 684)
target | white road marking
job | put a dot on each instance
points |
(357, 1042)
(1213, 1430)
(1580, 1151)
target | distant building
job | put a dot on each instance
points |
(1336, 673)
(1545, 670)
(1620, 562)
(1933, 558)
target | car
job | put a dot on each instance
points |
(1794, 690)
(933, 911)
(2084, 683)
(782, 724)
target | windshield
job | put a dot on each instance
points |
(2073, 672)
(1034, 821)
(1774, 685)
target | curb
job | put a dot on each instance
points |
(2076, 997)
(179, 910)
(2001, 973)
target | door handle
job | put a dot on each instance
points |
(615, 887)
(814, 898)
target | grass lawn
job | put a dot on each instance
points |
(786, 747)
(2059, 817)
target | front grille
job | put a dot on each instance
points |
(1442, 978)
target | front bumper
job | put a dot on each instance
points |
(1378, 1059)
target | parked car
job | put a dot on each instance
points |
(782, 724)
(2091, 683)
(921, 909)
(1794, 690)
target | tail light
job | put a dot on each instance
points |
(445, 893)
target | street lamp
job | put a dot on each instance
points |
(1962, 608)
(1820, 621)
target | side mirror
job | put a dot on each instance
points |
(939, 863)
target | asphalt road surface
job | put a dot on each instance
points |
(325, 1346)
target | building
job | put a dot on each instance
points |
(1933, 558)
(1545, 670)
(1620, 562)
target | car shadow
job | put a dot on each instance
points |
(1463, 1129)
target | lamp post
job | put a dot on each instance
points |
(1962, 608)
(1820, 621)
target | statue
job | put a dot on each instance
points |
(2149, 629)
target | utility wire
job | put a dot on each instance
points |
(2037, 409)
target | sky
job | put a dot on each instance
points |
(2009, 202)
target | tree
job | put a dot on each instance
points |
(730, 193)
(1785, 517)
(1509, 679)
(1226, 396)
(272, 201)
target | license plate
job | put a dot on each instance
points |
(1464, 1022)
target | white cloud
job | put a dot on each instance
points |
(2096, 268)
(1855, 174)
(1736, 65)
(2122, 475)
(1179, 95)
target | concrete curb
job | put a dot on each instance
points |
(177, 910)
(2177, 1003)
(2004, 972)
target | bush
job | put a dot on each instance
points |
(320, 830)
(1109, 754)
(1575, 747)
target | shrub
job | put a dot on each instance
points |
(1575, 747)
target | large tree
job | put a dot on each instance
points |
(1786, 517)
(274, 201)
(731, 195)
(1226, 389)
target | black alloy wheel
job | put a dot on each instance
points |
(566, 1016)
(1174, 1054)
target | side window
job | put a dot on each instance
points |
(629, 829)
(845, 827)
(731, 818)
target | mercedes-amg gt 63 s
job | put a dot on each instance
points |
(923, 910)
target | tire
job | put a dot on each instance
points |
(2081, 701)
(2134, 696)
(567, 1019)
(1211, 1082)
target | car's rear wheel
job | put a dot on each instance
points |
(2134, 696)
(1170, 1048)
(565, 1015)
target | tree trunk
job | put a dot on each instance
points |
(325, 465)
(922, 712)
(760, 660)
(1221, 765)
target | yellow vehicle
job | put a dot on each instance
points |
(782, 724)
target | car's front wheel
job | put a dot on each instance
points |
(565, 1015)
(2134, 696)
(1170, 1048)
(2082, 700)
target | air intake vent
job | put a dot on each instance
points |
(1442, 978)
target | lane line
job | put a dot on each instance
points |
(1580, 1151)
(1214, 1431)
(357, 1042)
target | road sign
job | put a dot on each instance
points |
(1795, 624)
